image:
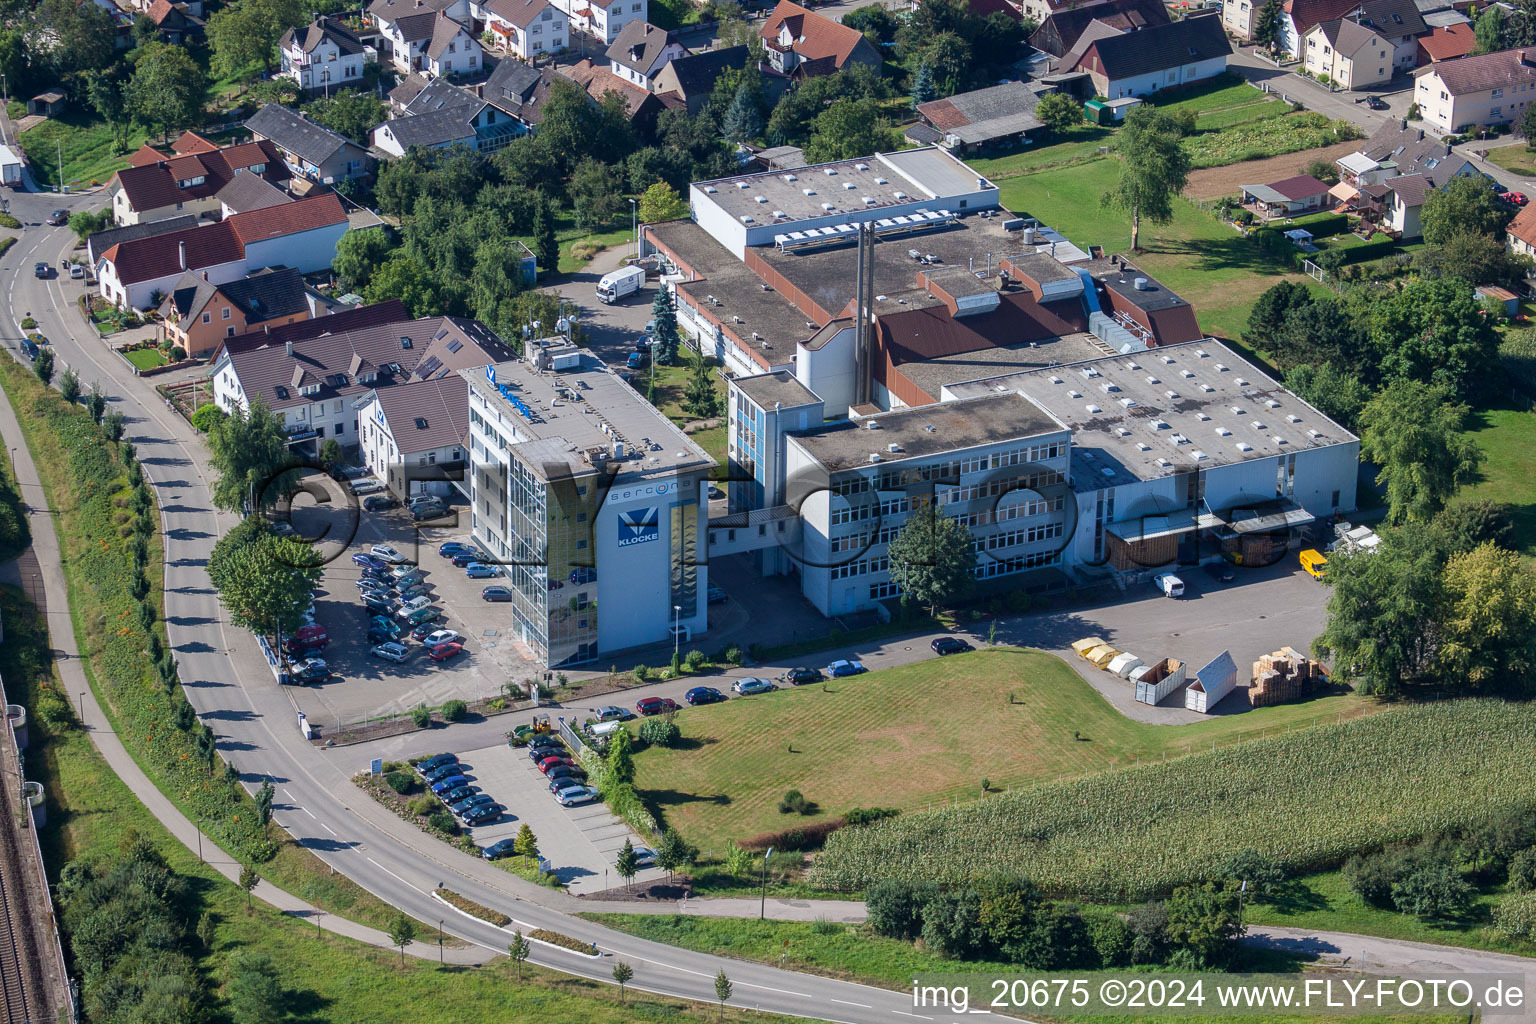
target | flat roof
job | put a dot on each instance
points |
(927, 430)
(886, 179)
(779, 387)
(566, 412)
(1174, 408)
(1118, 276)
(933, 375)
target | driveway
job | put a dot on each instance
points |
(611, 330)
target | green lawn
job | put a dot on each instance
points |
(672, 388)
(1508, 440)
(1518, 159)
(145, 358)
(88, 150)
(910, 737)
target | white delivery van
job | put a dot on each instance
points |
(616, 284)
(10, 167)
(1169, 584)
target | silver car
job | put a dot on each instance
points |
(576, 796)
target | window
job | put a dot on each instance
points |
(453, 47)
(1497, 93)
(1495, 111)
(207, 318)
(225, 314)
(229, 332)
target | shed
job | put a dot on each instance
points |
(1503, 296)
(1155, 682)
(1088, 643)
(1102, 655)
(1123, 665)
(1212, 683)
(47, 104)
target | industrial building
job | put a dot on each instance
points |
(591, 500)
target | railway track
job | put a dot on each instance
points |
(16, 985)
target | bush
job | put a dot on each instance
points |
(400, 782)
(421, 717)
(730, 656)
(641, 673)
(27, 323)
(896, 907)
(1515, 915)
(1433, 891)
(801, 837)
(1263, 872)
(865, 815)
(454, 710)
(423, 805)
(694, 660)
(473, 909)
(443, 822)
(178, 353)
(557, 939)
(1522, 871)
(952, 924)
(794, 803)
(1059, 940)
(1148, 924)
(1112, 941)
(660, 732)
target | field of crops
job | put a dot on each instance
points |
(1312, 798)
(1269, 137)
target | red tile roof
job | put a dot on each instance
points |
(815, 37)
(1448, 42)
(290, 218)
(598, 81)
(153, 180)
(1302, 186)
(191, 142)
(1523, 226)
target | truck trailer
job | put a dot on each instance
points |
(616, 284)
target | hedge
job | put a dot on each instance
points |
(472, 908)
(565, 941)
(1322, 225)
(802, 837)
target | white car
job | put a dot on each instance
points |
(391, 652)
(388, 553)
(367, 485)
(1169, 584)
(645, 857)
(442, 636)
(576, 796)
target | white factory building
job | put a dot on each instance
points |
(592, 500)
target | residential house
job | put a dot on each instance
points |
(1142, 62)
(975, 121)
(101, 241)
(159, 186)
(137, 273)
(692, 78)
(643, 107)
(803, 44)
(313, 381)
(1239, 18)
(604, 19)
(1397, 21)
(518, 91)
(1483, 89)
(441, 115)
(1445, 42)
(324, 55)
(198, 314)
(1396, 203)
(1039, 10)
(430, 36)
(311, 151)
(1522, 232)
(524, 28)
(324, 319)
(1288, 197)
(420, 425)
(641, 51)
(1059, 32)
(450, 50)
(176, 23)
(247, 192)
(1393, 149)
(1347, 53)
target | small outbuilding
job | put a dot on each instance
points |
(47, 104)
(1288, 197)
(1212, 683)
(1502, 296)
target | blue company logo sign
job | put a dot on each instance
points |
(639, 526)
(490, 372)
(378, 415)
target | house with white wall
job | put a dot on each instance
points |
(324, 55)
(406, 432)
(604, 19)
(1140, 63)
(641, 51)
(524, 28)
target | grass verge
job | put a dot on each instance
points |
(1508, 439)
(1518, 159)
(145, 358)
(85, 145)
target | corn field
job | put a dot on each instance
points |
(1311, 798)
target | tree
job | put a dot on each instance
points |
(1266, 26)
(1207, 921)
(1527, 126)
(69, 386)
(351, 113)
(623, 974)
(85, 223)
(1263, 873)
(1435, 333)
(166, 90)
(519, 949)
(1466, 203)
(849, 128)
(112, 424)
(1059, 111)
(923, 89)
(1156, 169)
(249, 880)
(265, 583)
(264, 802)
(71, 37)
(1433, 891)
(1337, 394)
(664, 338)
(330, 453)
(596, 187)
(1476, 259)
(42, 365)
(744, 119)
(360, 253)
(96, 403)
(1268, 315)
(107, 92)
(1490, 30)
(931, 559)
(1461, 527)
(1488, 620)
(621, 760)
(877, 23)
(526, 843)
(674, 852)
(701, 399)
(546, 252)
(1325, 171)
(722, 990)
(402, 932)
(951, 60)
(628, 862)
(249, 450)
(660, 202)
(1413, 433)
(255, 990)
(245, 33)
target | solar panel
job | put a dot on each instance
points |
(425, 369)
(455, 345)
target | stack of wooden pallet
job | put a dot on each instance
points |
(1284, 675)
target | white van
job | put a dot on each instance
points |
(600, 729)
(1169, 584)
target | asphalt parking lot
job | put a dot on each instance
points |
(581, 843)
(364, 686)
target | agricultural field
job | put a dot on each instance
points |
(913, 736)
(1311, 797)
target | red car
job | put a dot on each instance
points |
(656, 705)
(442, 652)
(307, 638)
(549, 764)
(1518, 198)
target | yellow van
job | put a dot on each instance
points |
(1314, 562)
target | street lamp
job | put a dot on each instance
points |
(677, 633)
(439, 943)
(199, 840)
(762, 906)
(634, 225)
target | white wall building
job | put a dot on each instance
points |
(604, 19)
(414, 433)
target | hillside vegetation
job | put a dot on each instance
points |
(1311, 798)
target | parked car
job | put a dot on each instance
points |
(419, 589)
(715, 493)
(312, 670)
(716, 595)
(420, 616)
(1169, 584)
(421, 512)
(1376, 103)
(445, 772)
(456, 794)
(435, 762)
(1518, 198)
(583, 576)
(537, 754)
(554, 762)
(563, 778)
(406, 575)
(465, 556)
(450, 783)
(577, 795)
(500, 848)
(443, 636)
(379, 602)
(379, 635)
(76, 271)
(369, 562)
(801, 675)
(469, 803)
(546, 740)
(496, 593)
(480, 571)
(645, 857)
(367, 485)
(949, 645)
(749, 685)
(306, 638)
(385, 625)
(415, 604)
(1221, 571)
(614, 713)
(391, 651)
(380, 502)
(442, 652)
(845, 667)
(58, 218)
(703, 695)
(449, 548)
(656, 705)
(481, 816)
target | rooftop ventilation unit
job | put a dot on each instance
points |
(1197, 455)
(1202, 417)
(1074, 394)
(861, 167)
(874, 456)
(1164, 463)
(1244, 446)
(1180, 439)
(760, 199)
(779, 214)
(1236, 410)
(1223, 432)
(746, 218)
(1107, 471)
(1055, 379)
(1143, 446)
(1153, 380)
(710, 190)
(1121, 431)
(1159, 425)
(1258, 424)
(790, 177)
(1221, 367)
(1314, 434)
(1092, 408)
(1293, 418)
(741, 184)
(1089, 372)
(1240, 382)
(1186, 374)
(880, 181)
(1129, 403)
(1171, 394)
(827, 207)
(809, 191)
(1206, 388)
(1200, 352)
(869, 201)
(829, 171)
(1168, 360)
(1277, 439)
(1109, 386)
(850, 186)
(899, 194)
